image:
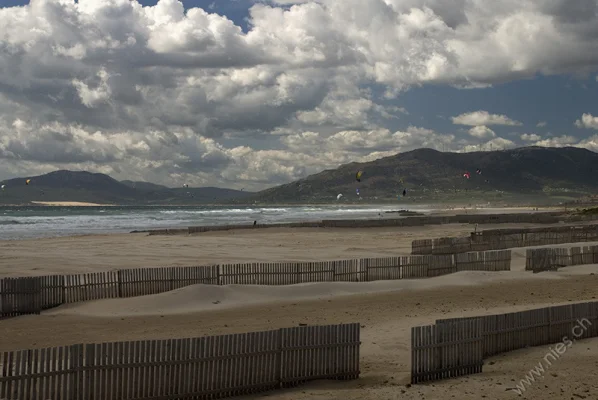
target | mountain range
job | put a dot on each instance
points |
(425, 175)
(83, 186)
(430, 175)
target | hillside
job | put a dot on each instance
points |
(525, 174)
(148, 186)
(531, 172)
(90, 187)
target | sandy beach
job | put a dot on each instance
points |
(69, 204)
(94, 253)
(386, 309)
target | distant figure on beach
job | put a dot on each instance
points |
(254, 223)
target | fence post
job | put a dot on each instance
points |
(279, 363)
(2, 298)
(549, 309)
(218, 275)
(170, 275)
(120, 282)
(63, 291)
(37, 297)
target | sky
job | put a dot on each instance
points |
(252, 94)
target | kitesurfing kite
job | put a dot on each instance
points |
(466, 175)
(27, 181)
(358, 176)
(2, 187)
(478, 171)
(339, 196)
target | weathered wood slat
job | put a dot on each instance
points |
(31, 295)
(498, 239)
(550, 259)
(431, 347)
(204, 367)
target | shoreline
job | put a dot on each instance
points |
(71, 204)
(92, 218)
(406, 206)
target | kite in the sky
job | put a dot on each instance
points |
(339, 196)
(466, 175)
(358, 176)
(27, 181)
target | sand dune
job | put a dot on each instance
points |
(196, 298)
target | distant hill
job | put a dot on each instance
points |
(538, 173)
(430, 175)
(144, 185)
(90, 187)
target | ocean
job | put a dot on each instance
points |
(40, 221)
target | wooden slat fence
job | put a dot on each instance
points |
(34, 294)
(503, 333)
(92, 286)
(200, 368)
(51, 291)
(350, 271)
(421, 246)
(281, 273)
(499, 260)
(320, 352)
(441, 265)
(415, 266)
(499, 239)
(446, 350)
(550, 259)
(382, 268)
(146, 281)
(19, 296)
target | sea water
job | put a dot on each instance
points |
(40, 221)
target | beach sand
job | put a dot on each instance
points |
(386, 309)
(69, 204)
(94, 253)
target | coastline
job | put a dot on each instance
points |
(71, 204)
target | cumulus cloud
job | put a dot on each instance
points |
(541, 124)
(590, 143)
(346, 144)
(482, 132)
(530, 137)
(497, 143)
(587, 121)
(165, 93)
(559, 141)
(479, 118)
